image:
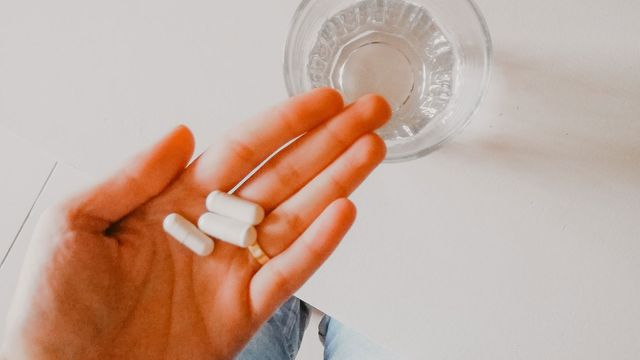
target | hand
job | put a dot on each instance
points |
(102, 279)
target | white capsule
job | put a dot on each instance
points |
(234, 207)
(188, 234)
(227, 229)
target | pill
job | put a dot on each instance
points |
(234, 207)
(227, 229)
(187, 234)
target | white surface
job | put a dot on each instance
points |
(518, 240)
(93, 75)
(64, 181)
(311, 348)
(24, 170)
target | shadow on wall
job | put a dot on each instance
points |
(580, 124)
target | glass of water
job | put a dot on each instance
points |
(429, 58)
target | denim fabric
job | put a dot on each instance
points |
(342, 343)
(281, 336)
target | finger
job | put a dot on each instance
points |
(223, 166)
(290, 169)
(279, 278)
(292, 217)
(143, 178)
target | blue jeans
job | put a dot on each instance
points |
(281, 336)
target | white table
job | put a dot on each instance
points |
(58, 182)
(23, 174)
(520, 239)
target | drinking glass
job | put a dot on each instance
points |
(429, 58)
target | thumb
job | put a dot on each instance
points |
(143, 178)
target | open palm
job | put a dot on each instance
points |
(102, 279)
